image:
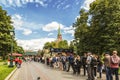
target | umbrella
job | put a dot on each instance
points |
(16, 54)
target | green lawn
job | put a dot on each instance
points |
(119, 71)
(5, 70)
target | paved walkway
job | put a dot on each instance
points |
(33, 70)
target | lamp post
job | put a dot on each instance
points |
(11, 58)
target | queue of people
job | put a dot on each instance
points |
(18, 62)
(90, 65)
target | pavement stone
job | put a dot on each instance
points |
(33, 70)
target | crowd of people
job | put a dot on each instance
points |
(18, 62)
(92, 65)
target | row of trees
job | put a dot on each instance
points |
(5, 37)
(54, 44)
(98, 30)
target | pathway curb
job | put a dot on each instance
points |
(10, 75)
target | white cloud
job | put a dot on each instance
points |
(61, 4)
(41, 2)
(50, 34)
(20, 3)
(67, 6)
(34, 44)
(32, 25)
(27, 32)
(77, 2)
(20, 24)
(52, 26)
(69, 30)
(17, 21)
(86, 4)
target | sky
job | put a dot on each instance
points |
(36, 21)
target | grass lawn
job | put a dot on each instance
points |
(119, 71)
(5, 70)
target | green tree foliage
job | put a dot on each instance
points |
(105, 24)
(72, 46)
(5, 37)
(19, 50)
(81, 29)
(63, 44)
(55, 44)
(47, 45)
(103, 34)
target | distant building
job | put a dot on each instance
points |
(59, 36)
(30, 53)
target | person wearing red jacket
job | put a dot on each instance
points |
(16, 61)
(19, 63)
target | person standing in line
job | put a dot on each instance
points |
(77, 64)
(16, 61)
(107, 65)
(114, 64)
(63, 62)
(99, 66)
(19, 63)
(94, 67)
(84, 58)
(89, 69)
(71, 63)
(47, 60)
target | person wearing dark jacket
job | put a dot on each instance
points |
(99, 66)
(77, 64)
(84, 58)
(71, 62)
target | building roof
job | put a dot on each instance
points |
(59, 33)
(59, 36)
(31, 53)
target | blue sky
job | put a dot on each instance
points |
(37, 21)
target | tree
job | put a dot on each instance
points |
(56, 44)
(47, 45)
(63, 44)
(105, 25)
(19, 50)
(81, 29)
(5, 37)
(103, 32)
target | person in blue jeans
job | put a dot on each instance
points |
(71, 63)
(107, 66)
(108, 73)
(99, 66)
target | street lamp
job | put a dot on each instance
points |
(11, 58)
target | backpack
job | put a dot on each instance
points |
(93, 62)
(114, 60)
(84, 60)
(63, 59)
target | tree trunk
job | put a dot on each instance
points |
(3, 56)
